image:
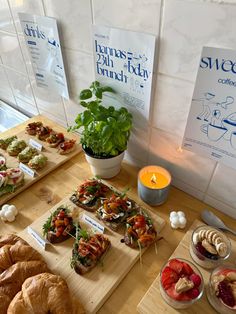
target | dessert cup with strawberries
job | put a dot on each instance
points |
(181, 283)
(209, 247)
(221, 289)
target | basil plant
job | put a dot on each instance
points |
(106, 130)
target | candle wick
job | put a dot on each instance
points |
(154, 179)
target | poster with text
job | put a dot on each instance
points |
(124, 61)
(42, 40)
(211, 125)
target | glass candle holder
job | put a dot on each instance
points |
(153, 185)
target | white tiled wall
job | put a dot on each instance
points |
(182, 28)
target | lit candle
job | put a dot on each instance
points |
(153, 184)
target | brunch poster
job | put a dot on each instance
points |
(211, 125)
(124, 61)
(42, 40)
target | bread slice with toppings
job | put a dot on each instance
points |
(115, 210)
(59, 225)
(55, 139)
(4, 143)
(88, 251)
(140, 231)
(10, 179)
(32, 127)
(88, 195)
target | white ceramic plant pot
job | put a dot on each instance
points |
(105, 167)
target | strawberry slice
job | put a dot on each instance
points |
(187, 269)
(176, 265)
(168, 277)
(193, 293)
(225, 272)
(177, 296)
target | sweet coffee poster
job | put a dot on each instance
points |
(211, 124)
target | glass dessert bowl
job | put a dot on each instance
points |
(221, 289)
(209, 247)
(181, 283)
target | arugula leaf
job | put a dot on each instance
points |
(123, 194)
(93, 189)
(84, 234)
(47, 225)
(9, 188)
(75, 256)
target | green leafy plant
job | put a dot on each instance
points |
(106, 130)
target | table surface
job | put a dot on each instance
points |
(48, 191)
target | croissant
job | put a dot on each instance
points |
(11, 239)
(12, 279)
(42, 294)
(11, 254)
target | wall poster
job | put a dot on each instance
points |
(42, 40)
(211, 125)
(124, 61)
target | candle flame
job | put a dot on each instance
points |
(154, 179)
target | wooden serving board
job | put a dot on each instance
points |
(54, 158)
(153, 303)
(93, 288)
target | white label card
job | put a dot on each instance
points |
(26, 170)
(35, 144)
(41, 241)
(93, 223)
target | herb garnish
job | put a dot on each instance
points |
(47, 225)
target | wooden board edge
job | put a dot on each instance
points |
(191, 228)
(37, 178)
(6, 197)
(32, 119)
(161, 223)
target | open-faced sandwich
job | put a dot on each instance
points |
(4, 143)
(114, 210)
(88, 251)
(38, 162)
(55, 139)
(4, 188)
(26, 154)
(2, 163)
(43, 132)
(140, 231)
(10, 180)
(89, 194)
(32, 127)
(59, 226)
(16, 147)
(66, 147)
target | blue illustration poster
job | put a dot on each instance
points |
(211, 125)
(42, 40)
(124, 60)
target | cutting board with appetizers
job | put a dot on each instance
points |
(95, 286)
(45, 155)
(152, 302)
